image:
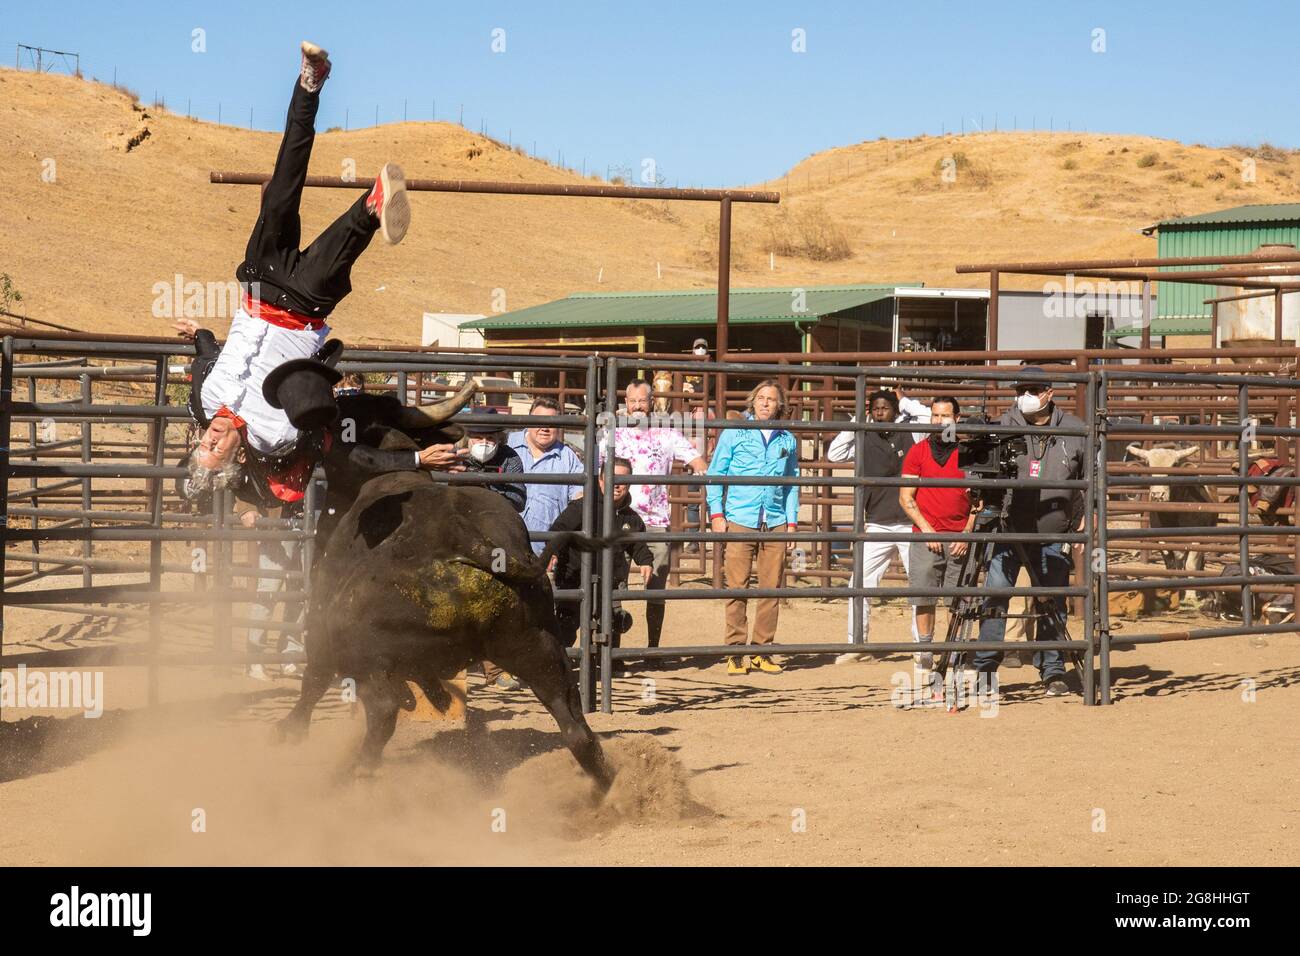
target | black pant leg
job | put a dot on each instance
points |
(272, 252)
(322, 276)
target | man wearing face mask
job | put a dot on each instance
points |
(1038, 510)
(486, 451)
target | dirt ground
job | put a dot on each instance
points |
(1196, 763)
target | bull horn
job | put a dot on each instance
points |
(430, 416)
(1138, 452)
(1185, 453)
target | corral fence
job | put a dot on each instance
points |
(96, 426)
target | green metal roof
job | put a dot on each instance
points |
(773, 304)
(1180, 307)
(1259, 212)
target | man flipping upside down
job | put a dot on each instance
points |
(287, 294)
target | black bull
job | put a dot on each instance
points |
(415, 580)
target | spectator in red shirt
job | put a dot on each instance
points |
(935, 510)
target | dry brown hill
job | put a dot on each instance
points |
(127, 210)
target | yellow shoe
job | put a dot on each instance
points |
(762, 662)
(738, 665)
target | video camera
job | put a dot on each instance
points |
(988, 455)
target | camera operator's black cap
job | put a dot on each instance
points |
(1033, 375)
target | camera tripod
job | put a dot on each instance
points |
(967, 611)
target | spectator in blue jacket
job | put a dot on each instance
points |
(755, 452)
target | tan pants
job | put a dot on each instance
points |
(738, 561)
(1021, 628)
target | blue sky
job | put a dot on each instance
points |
(713, 92)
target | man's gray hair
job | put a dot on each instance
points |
(202, 481)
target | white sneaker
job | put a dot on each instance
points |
(850, 658)
(315, 67)
(289, 670)
(924, 660)
(388, 202)
(256, 672)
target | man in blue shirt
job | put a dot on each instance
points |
(542, 452)
(755, 452)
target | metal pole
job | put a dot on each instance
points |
(515, 189)
(586, 674)
(158, 441)
(724, 303)
(606, 583)
(1146, 313)
(35, 482)
(1295, 497)
(993, 312)
(6, 400)
(310, 503)
(1243, 504)
(856, 608)
(1096, 459)
(1103, 582)
(1277, 317)
(87, 575)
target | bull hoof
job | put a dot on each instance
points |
(288, 731)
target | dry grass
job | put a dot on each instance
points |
(88, 249)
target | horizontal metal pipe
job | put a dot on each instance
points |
(848, 536)
(1214, 583)
(150, 534)
(1057, 265)
(1197, 634)
(1129, 534)
(1171, 479)
(516, 189)
(792, 650)
(132, 594)
(1225, 431)
(711, 594)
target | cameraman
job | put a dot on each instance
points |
(1037, 510)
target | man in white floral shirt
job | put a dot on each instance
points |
(652, 451)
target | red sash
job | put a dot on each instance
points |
(280, 317)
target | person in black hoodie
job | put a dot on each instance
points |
(568, 564)
(486, 451)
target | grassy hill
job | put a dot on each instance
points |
(130, 206)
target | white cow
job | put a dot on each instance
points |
(1165, 458)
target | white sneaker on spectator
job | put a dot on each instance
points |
(924, 661)
(850, 658)
(257, 672)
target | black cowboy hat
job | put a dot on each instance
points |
(304, 387)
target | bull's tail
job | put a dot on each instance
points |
(590, 543)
